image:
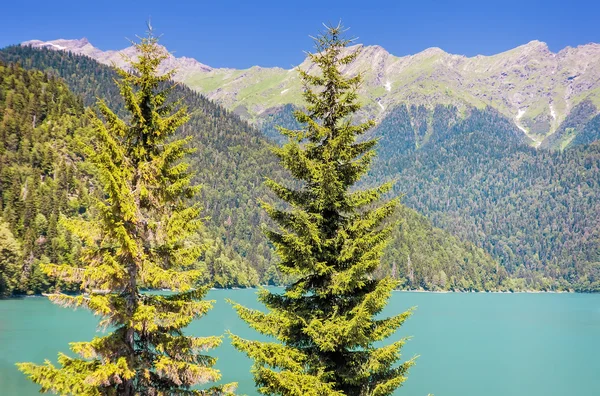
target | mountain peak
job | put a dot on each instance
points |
(535, 45)
(432, 51)
(371, 51)
(374, 48)
(83, 41)
(76, 46)
(525, 83)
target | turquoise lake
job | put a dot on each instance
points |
(470, 344)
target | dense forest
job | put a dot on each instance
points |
(230, 162)
(468, 176)
(536, 211)
(44, 176)
(425, 257)
(41, 178)
(581, 126)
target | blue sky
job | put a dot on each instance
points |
(274, 33)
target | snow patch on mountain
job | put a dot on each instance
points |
(520, 115)
(536, 141)
(60, 47)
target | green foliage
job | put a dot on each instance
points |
(535, 211)
(142, 235)
(41, 131)
(590, 132)
(424, 257)
(280, 117)
(230, 161)
(471, 174)
(330, 239)
(419, 254)
(576, 128)
(10, 254)
(225, 269)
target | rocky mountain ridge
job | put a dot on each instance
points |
(83, 47)
(534, 87)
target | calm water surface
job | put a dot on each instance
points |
(469, 344)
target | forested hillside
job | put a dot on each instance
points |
(536, 211)
(231, 162)
(425, 257)
(581, 126)
(41, 176)
(475, 175)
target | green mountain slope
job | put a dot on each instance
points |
(473, 173)
(231, 160)
(426, 257)
(536, 211)
(234, 151)
(41, 173)
(579, 127)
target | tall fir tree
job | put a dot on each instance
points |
(141, 237)
(330, 238)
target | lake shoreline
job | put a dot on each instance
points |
(18, 297)
(494, 292)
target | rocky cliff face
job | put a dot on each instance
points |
(531, 85)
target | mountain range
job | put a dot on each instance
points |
(487, 206)
(43, 177)
(538, 90)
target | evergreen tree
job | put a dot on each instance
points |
(140, 238)
(330, 238)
